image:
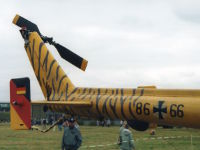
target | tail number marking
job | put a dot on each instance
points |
(142, 109)
(177, 110)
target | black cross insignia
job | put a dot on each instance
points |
(160, 109)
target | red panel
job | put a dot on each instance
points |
(24, 107)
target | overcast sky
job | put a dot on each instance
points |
(128, 43)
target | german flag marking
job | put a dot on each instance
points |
(21, 91)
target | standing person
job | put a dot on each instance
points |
(72, 137)
(60, 123)
(121, 123)
(126, 139)
(108, 123)
(97, 122)
(122, 127)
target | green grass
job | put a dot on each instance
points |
(34, 140)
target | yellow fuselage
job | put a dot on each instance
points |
(167, 107)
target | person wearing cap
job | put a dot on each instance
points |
(72, 138)
(127, 142)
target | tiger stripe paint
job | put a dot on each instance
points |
(144, 104)
(45, 66)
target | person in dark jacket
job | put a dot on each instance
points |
(72, 138)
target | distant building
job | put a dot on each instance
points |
(4, 107)
(4, 112)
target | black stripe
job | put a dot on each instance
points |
(134, 101)
(142, 92)
(130, 100)
(122, 103)
(104, 106)
(26, 48)
(46, 60)
(111, 106)
(50, 68)
(66, 90)
(57, 71)
(91, 95)
(61, 95)
(40, 49)
(122, 92)
(32, 54)
(90, 90)
(134, 90)
(112, 91)
(29, 48)
(39, 80)
(53, 90)
(106, 91)
(97, 101)
(98, 91)
(60, 83)
(123, 114)
(84, 90)
(114, 109)
(72, 98)
(94, 92)
(43, 82)
(116, 91)
(84, 96)
(72, 92)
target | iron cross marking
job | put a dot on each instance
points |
(160, 109)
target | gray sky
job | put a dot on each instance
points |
(127, 42)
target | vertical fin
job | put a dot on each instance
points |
(20, 105)
(50, 75)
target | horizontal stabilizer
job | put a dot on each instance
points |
(67, 103)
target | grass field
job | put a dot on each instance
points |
(94, 136)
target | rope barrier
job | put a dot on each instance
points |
(49, 128)
(142, 139)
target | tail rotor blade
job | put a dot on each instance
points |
(71, 57)
(22, 22)
(65, 53)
